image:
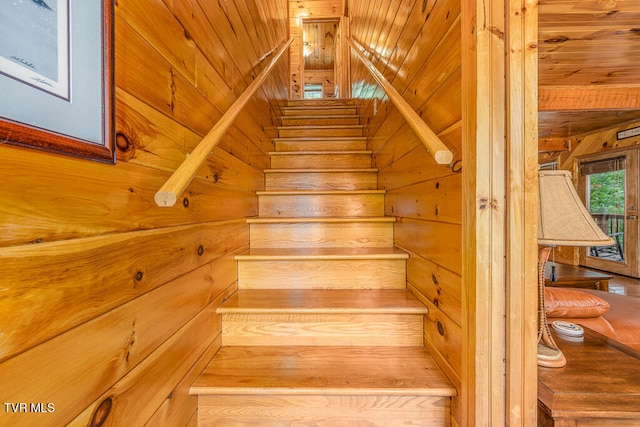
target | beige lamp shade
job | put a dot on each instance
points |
(562, 217)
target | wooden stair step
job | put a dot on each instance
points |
(370, 301)
(294, 253)
(320, 120)
(365, 203)
(354, 143)
(320, 131)
(314, 103)
(320, 110)
(344, 232)
(295, 370)
(322, 268)
(321, 179)
(320, 159)
(341, 386)
(322, 317)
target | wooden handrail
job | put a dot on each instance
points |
(182, 176)
(428, 137)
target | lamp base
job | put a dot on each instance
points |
(550, 357)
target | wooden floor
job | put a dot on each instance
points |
(622, 285)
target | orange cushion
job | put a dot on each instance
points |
(567, 302)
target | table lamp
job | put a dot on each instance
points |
(563, 220)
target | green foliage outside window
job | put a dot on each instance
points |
(606, 193)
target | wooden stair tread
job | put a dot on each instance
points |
(321, 253)
(319, 107)
(347, 170)
(319, 127)
(323, 301)
(316, 192)
(300, 102)
(280, 220)
(317, 138)
(315, 153)
(323, 116)
(323, 370)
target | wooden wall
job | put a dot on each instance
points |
(107, 302)
(416, 45)
(298, 11)
(324, 77)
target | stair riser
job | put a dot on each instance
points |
(322, 274)
(316, 132)
(319, 121)
(321, 181)
(321, 205)
(321, 161)
(326, 111)
(322, 235)
(328, 144)
(322, 410)
(322, 329)
(313, 103)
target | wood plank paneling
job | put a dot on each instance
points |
(438, 242)
(104, 294)
(80, 272)
(73, 368)
(441, 287)
(179, 404)
(436, 200)
(123, 204)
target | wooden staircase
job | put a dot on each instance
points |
(322, 331)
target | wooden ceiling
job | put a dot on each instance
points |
(589, 65)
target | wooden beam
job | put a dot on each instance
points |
(554, 98)
(175, 185)
(554, 144)
(428, 137)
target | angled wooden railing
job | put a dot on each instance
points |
(428, 137)
(182, 176)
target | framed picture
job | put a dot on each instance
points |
(57, 77)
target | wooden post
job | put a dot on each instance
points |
(499, 69)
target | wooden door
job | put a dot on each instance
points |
(608, 185)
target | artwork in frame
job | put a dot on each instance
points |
(57, 77)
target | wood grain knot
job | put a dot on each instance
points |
(434, 279)
(123, 142)
(101, 413)
(139, 275)
(440, 327)
(200, 250)
(555, 40)
(185, 202)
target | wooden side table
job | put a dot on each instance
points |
(573, 277)
(600, 386)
